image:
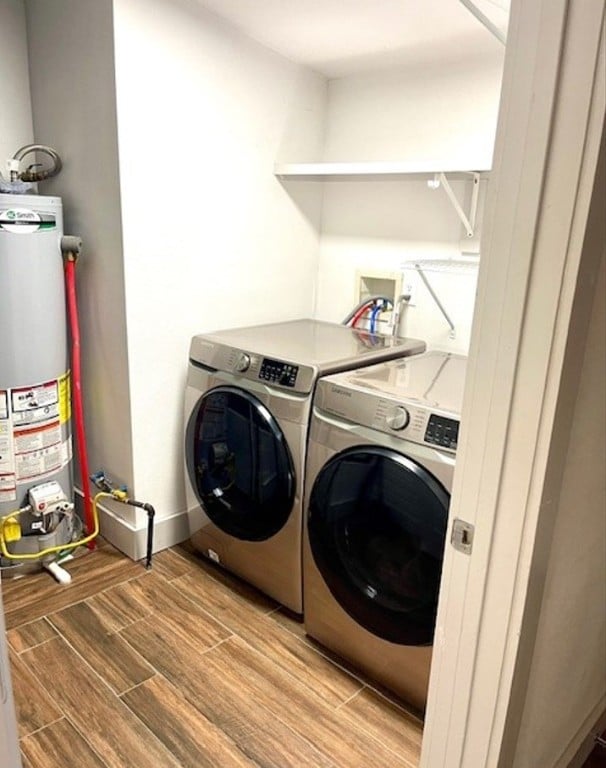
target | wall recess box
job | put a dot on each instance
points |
(371, 282)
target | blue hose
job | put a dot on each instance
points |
(373, 318)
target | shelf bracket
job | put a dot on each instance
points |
(469, 223)
(483, 19)
(434, 296)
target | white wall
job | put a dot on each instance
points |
(370, 226)
(194, 234)
(441, 114)
(211, 239)
(442, 111)
(15, 112)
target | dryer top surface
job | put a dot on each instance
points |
(325, 346)
(434, 379)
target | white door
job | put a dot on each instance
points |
(533, 278)
(9, 745)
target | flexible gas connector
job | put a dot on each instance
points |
(8, 519)
(33, 175)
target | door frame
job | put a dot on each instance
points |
(535, 284)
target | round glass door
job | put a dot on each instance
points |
(239, 464)
(377, 526)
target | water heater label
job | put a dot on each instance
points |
(36, 464)
(32, 439)
(8, 482)
(65, 399)
(23, 221)
(8, 487)
(6, 449)
(31, 404)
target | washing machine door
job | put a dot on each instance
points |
(377, 525)
(239, 464)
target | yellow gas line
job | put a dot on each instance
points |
(10, 520)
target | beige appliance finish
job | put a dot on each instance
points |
(404, 413)
(263, 374)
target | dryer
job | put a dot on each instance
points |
(247, 409)
(381, 459)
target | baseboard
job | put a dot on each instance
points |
(580, 746)
(132, 539)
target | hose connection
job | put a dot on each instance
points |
(30, 173)
(107, 490)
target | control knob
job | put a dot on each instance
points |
(242, 362)
(397, 418)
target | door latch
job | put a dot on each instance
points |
(461, 537)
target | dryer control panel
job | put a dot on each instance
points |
(278, 372)
(244, 363)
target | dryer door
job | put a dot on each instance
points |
(239, 464)
(377, 526)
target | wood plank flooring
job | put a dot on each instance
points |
(185, 665)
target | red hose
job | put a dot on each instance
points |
(359, 314)
(70, 286)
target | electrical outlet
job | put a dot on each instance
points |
(410, 289)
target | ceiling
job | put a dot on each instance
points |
(343, 37)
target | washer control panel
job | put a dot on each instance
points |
(278, 372)
(242, 362)
(405, 420)
(442, 431)
(397, 418)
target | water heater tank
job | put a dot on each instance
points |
(35, 413)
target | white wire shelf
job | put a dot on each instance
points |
(456, 265)
(326, 171)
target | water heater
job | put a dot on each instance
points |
(35, 410)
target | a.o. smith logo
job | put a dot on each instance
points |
(24, 221)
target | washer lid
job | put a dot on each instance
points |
(434, 379)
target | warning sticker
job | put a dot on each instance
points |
(6, 450)
(65, 400)
(36, 415)
(8, 487)
(37, 438)
(31, 424)
(29, 400)
(38, 463)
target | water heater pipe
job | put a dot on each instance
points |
(30, 174)
(70, 246)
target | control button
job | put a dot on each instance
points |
(242, 362)
(397, 418)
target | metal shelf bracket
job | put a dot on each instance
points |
(434, 296)
(469, 223)
(483, 19)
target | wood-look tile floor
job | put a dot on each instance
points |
(184, 665)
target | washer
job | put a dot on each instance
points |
(247, 408)
(381, 459)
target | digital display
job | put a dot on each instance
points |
(442, 431)
(278, 372)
